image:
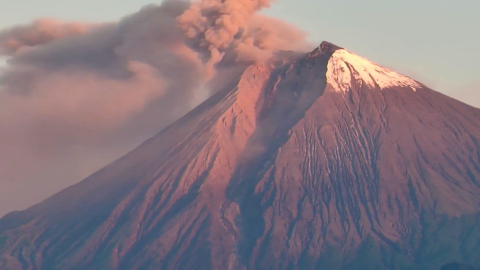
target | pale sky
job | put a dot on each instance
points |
(433, 41)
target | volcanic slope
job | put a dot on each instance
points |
(324, 161)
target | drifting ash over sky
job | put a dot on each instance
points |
(82, 93)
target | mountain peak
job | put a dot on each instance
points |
(324, 48)
(347, 71)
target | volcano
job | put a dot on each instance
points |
(324, 160)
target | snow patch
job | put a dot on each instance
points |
(345, 68)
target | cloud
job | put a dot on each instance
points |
(265, 36)
(233, 29)
(78, 104)
(75, 96)
(93, 82)
(39, 32)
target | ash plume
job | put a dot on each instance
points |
(68, 89)
(222, 28)
(39, 32)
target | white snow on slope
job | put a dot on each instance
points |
(344, 66)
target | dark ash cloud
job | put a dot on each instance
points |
(75, 96)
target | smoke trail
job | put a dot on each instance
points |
(217, 28)
(70, 91)
(37, 33)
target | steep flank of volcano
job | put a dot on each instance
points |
(319, 161)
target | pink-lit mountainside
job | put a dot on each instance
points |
(316, 161)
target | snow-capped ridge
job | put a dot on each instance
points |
(347, 70)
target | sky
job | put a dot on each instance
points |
(432, 41)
